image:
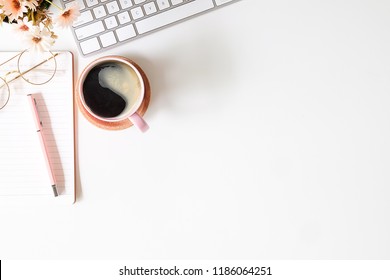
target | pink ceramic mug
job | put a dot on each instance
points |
(112, 89)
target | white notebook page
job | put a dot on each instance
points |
(23, 173)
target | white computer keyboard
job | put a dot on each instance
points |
(105, 24)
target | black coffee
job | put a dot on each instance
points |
(102, 101)
(111, 89)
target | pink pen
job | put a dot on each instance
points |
(38, 124)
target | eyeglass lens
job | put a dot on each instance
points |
(4, 93)
(44, 67)
(34, 68)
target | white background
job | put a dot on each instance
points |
(269, 139)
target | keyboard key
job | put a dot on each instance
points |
(125, 32)
(137, 13)
(83, 18)
(91, 3)
(89, 30)
(220, 2)
(112, 7)
(163, 4)
(99, 12)
(111, 22)
(90, 46)
(173, 15)
(80, 2)
(139, 1)
(125, 4)
(108, 39)
(175, 2)
(150, 8)
(124, 17)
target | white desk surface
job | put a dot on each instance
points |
(269, 139)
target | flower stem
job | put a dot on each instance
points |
(52, 3)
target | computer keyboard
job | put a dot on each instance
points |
(105, 24)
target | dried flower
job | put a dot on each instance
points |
(68, 16)
(14, 9)
(23, 25)
(39, 39)
(31, 4)
(34, 22)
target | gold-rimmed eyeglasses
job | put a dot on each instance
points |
(34, 68)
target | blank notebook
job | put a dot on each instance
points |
(23, 174)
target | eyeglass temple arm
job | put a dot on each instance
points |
(32, 68)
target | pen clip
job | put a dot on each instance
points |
(38, 119)
(36, 107)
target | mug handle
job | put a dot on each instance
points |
(139, 122)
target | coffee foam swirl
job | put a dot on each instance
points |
(111, 89)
